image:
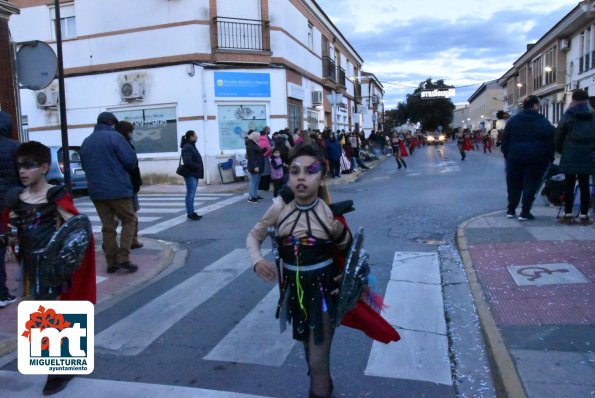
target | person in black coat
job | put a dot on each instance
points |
(255, 156)
(9, 178)
(333, 152)
(575, 140)
(193, 171)
(126, 128)
(528, 147)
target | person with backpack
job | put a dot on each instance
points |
(575, 140)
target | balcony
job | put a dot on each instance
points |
(341, 76)
(328, 69)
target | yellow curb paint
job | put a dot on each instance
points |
(507, 378)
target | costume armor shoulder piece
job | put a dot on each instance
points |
(56, 193)
(63, 254)
(12, 197)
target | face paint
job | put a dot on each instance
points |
(28, 165)
(313, 168)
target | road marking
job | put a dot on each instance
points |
(172, 222)
(415, 307)
(172, 306)
(16, 385)
(271, 348)
(140, 219)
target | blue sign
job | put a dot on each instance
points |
(238, 84)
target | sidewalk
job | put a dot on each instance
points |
(152, 259)
(533, 283)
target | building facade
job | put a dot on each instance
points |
(203, 65)
(483, 105)
(558, 63)
(370, 111)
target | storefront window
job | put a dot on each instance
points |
(294, 116)
(155, 129)
(236, 120)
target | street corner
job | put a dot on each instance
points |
(155, 259)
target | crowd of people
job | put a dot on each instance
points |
(267, 155)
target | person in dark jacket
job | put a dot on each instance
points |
(108, 159)
(528, 147)
(8, 179)
(575, 140)
(126, 129)
(333, 152)
(255, 156)
(193, 171)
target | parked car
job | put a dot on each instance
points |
(77, 174)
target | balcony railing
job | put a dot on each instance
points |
(242, 34)
(357, 92)
(341, 76)
(328, 68)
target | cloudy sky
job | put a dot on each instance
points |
(464, 42)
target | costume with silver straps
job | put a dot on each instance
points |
(308, 272)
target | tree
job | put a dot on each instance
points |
(431, 112)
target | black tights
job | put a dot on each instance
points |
(399, 161)
(583, 185)
(318, 359)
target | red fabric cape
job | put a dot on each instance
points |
(83, 281)
(83, 286)
(362, 316)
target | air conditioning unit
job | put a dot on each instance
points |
(132, 90)
(46, 99)
(564, 44)
(316, 97)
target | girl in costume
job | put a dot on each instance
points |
(308, 233)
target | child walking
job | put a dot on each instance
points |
(308, 233)
(277, 171)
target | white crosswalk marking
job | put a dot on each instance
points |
(16, 385)
(180, 219)
(156, 207)
(415, 307)
(174, 304)
(270, 348)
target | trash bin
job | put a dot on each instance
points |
(226, 171)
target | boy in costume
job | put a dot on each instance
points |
(310, 240)
(37, 211)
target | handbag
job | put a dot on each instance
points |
(181, 170)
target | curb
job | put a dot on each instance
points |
(172, 259)
(507, 380)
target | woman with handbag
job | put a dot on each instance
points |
(191, 168)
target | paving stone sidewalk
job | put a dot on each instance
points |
(534, 286)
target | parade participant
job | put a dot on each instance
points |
(487, 142)
(395, 144)
(461, 145)
(37, 211)
(308, 233)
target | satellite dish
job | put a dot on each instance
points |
(37, 65)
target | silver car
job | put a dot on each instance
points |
(77, 174)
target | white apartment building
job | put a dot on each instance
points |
(460, 117)
(370, 112)
(484, 103)
(561, 61)
(204, 65)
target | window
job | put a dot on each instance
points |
(235, 121)
(294, 113)
(67, 21)
(311, 36)
(155, 129)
